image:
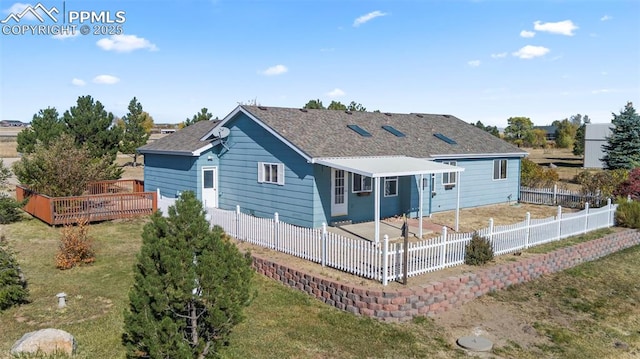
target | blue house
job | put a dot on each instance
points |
(329, 166)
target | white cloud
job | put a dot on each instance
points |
(606, 18)
(565, 27)
(78, 82)
(336, 92)
(474, 63)
(368, 17)
(595, 92)
(275, 70)
(527, 34)
(501, 55)
(106, 80)
(67, 35)
(529, 52)
(125, 43)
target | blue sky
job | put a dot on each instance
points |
(478, 60)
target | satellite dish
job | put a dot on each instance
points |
(221, 132)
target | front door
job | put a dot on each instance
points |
(338, 192)
(210, 187)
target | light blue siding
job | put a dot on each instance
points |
(170, 174)
(249, 144)
(477, 186)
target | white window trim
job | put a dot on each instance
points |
(362, 179)
(390, 179)
(450, 174)
(262, 174)
(500, 174)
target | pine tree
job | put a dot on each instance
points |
(191, 284)
(90, 124)
(622, 149)
(45, 127)
(203, 115)
(13, 287)
(135, 134)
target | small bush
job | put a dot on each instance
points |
(630, 186)
(75, 246)
(13, 286)
(535, 176)
(628, 214)
(10, 210)
(479, 251)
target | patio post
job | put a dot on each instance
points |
(376, 205)
(421, 191)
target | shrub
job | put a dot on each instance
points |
(10, 210)
(534, 175)
(628, 214)
(479, 251)
(631, 185)
(75, 246)
(603, 182)
(13, 286)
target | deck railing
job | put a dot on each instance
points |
(106, 200)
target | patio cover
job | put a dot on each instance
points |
(391, 166)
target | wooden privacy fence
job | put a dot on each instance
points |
(384, 261)
(560, 197)
(105, 200)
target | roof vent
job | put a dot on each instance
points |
(445, 139)
(303, 110)
(348, 112)
(447, 116)
(387, 113)
(262, 108)
(419, 115)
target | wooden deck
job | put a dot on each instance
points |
(104, 201)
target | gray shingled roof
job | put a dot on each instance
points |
(324, 133)
(184, 141)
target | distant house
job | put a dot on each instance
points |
(12, 123)
(595, 135)
(549, 132)
(329, 166)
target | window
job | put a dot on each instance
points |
(499, 169)
(361, 131)
(271, 173)
(361, 183)
(390, 186)
(449, 178)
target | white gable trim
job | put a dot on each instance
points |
(239, 109)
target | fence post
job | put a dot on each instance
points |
(324, 244)
(528, 231)
(586, 217)
(559, 219)
(238, 222)
(276, 219)
(385, 260)
(443, 248)
(555, 194)
(611, 220)
(490, 230)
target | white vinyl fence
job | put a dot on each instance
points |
(384, 261)
(560, 197)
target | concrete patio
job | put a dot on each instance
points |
(390, 226)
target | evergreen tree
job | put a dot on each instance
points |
(203, 115)
(622, 149)
(90, 124)
(135, 134)
(356, 107)
(190, 286)
(337, 105)
(13, 287)
(46, 126)
(578, 145)
(519, 131)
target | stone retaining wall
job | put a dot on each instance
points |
(397, 305)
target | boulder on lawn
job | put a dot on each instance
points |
(45, 341)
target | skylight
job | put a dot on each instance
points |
(361, 131)
(393, 131)
(445, 139)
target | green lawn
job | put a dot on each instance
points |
(603, 297)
